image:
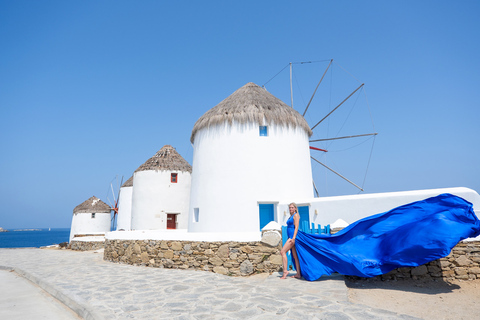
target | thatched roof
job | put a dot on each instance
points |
(167, 159)
(128, 183)
(91, 205)
(251, 103)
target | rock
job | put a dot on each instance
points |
(276, 259)
(246, 267)
(255, 258)
(246, 249)
(461, 271)
(271, 238)
(448, 274)
(223, 251)
(419, 271)
(163, 245)
(220, 270)
(462, 261)
(216, 261)
(434, 269)
(168, 254)
(168, 263)
(475, 270)
(136, 248)
(176, 246)
(272, 225)
(144, 257)
(445, 265)
(475, 259)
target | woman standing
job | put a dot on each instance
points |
(292, 230)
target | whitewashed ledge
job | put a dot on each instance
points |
(89, 239)
(184, 235)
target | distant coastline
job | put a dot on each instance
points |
(3, 230)
(27, 230)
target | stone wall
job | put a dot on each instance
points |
(86, 245)
(463, 263)
(230, 258)
(245, 258)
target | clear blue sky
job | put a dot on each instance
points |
(92, 89)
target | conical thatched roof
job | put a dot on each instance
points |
(251, 103)
(128, 183)
(93, 204)
(167, 159)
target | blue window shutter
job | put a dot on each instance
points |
(266, 213)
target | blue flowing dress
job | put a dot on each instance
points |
(290, 227)
(290, 232)
(407, 236)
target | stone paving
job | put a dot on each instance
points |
(96, 289)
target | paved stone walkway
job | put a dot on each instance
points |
(96, 289)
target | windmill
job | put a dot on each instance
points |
(329, 100)
(113, 194)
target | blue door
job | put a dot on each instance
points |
(266, 214)
(304, 217)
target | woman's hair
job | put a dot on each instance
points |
(295, 205)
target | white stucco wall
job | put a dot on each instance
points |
(83, 223)
(235, 169)
(154, 196)
(124, 217)
(351, 208)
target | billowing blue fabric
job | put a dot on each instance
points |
(407, 236)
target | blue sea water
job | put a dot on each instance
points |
(33, 237)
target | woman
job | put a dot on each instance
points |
(407, 236)
(292, 230)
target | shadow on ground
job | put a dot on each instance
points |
(417, 286)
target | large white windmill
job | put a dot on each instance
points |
(252, 152)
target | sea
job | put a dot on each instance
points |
(33, 238)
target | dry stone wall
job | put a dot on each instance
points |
(462, 263)
(86, 245)
(229, 258)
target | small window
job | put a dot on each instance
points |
(263, 131)
(196, 214)
(173, 178)
(93, 215)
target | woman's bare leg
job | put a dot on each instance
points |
(288, 245)
(297, 264)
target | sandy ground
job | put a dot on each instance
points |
(427, 300)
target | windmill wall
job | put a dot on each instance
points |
(154, 196)
(91, 223)
(235, 169)
(124, 217)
